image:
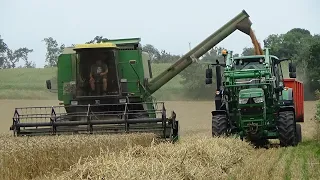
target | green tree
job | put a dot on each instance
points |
(152, 51)
(193, 77)
(3, 50)
(53, 51)
(297, 44)
(166, 57)
(9, 58)
(314, 66)
(97, 39)
(248, 51)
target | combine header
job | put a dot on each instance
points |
(105, 88)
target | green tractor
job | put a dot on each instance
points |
(252, 100)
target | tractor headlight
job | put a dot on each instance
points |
(243, 100)
(258, 99)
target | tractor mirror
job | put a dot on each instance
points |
(48, 83)
(208, 81)
(292, 67)
(292, 75)
(209, 73)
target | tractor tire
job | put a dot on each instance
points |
(287, 129)
(219, 125)
(298, 133)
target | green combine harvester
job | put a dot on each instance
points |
(254, 101)
(127, 104)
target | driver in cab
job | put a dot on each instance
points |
(99, 72)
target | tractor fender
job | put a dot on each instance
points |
(288, 108)
(216, 112)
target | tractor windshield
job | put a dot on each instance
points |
(250, 63)
(97, 72)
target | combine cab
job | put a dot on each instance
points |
(254, 101)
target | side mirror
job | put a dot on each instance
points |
(292, 67)
(209, 73)
(292, 75)
(48, 83)
(208, 81)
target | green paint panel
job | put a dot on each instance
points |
(133, 73)
(251, 92)
(64, 76)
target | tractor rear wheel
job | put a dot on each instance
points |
(219, 125)
(287, 129)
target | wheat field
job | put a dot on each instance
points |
(140, 156)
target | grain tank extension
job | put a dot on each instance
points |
(120, 100)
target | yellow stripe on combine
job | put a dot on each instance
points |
(97, 45)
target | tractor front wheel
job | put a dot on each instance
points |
(287, 129)
(219, 125)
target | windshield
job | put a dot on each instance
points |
(248, 64)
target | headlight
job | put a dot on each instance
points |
(258, 99)
(74, 102)
(122, 100)
(243, 101)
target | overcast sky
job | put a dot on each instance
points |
(167, 24)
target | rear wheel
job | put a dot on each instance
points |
(219, 125)
(287, 129)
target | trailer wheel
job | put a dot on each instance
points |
(219, 125)
(298, 133)
(287, 129)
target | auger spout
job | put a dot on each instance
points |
(240, 22)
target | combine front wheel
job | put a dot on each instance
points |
(287, 129)
(219, 125)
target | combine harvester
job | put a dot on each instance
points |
(254, 101)
(127, 106)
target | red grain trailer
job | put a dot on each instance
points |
(298, 97)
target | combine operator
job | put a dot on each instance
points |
(98, 73)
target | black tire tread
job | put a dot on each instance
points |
(219, 125)
(287, 129)
(299, 133)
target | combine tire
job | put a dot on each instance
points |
(287, 129)
(219, 125)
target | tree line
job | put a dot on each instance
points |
(297, 44)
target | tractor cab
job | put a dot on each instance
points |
(243, 63)
(246, 64)
(96, 70)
